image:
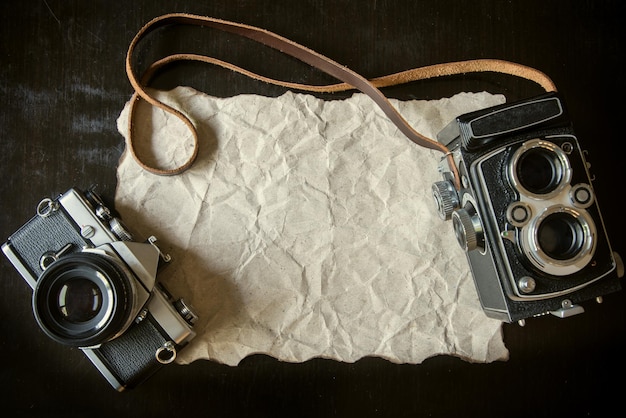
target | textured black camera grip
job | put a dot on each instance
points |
(131, 357)
(45, 234)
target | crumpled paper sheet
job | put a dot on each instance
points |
(307, 228)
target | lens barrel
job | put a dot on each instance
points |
(83, 299)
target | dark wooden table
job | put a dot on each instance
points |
(63, 84)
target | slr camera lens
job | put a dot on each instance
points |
(83, 299)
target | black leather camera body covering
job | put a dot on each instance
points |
(526, 213)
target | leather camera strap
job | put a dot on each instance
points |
(350, 79)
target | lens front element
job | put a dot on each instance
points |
(561, 236)
(80, 300)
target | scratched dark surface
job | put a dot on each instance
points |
(62, 84)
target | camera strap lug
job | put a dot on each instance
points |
(46, 207)
(166, 353)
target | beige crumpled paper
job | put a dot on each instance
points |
(307, 228)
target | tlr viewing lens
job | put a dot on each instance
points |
(539, 170)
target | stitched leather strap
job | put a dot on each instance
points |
(350, 79)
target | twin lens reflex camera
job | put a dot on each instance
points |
(94, 288)
(526, 213)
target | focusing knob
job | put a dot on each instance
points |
(120, 231)
(468, 229)
(445, 197)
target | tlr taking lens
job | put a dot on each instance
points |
(560, 241)
(561, 236)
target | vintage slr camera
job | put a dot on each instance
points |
(94, 288)
(526, 213)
